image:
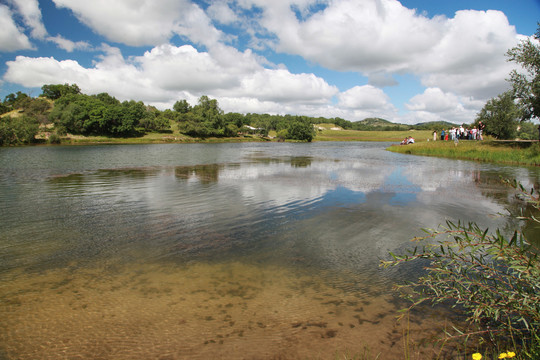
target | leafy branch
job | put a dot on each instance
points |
(495, 279)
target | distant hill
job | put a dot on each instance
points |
(434, 125)
(376, 122)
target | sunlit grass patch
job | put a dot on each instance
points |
(488, 151)
(355, 135)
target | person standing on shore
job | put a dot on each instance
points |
(435, 135)
(481, 127)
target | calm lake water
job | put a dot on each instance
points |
(223, 251)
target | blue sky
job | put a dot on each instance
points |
(406, 61)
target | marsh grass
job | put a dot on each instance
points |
(519, 153)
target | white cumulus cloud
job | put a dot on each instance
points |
(144, 22)
(469, 59)
(69, 45)
(433, 100)
(435, 105)
(366, 101)
(29, 10)
(464, 54)
(349, 35)
(222, 13)
(11, 37)
(168, 73)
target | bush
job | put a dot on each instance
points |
(493, 278)
(283, 134)
(54, 138)
(301, 129)
(527, 131)
(18, 131)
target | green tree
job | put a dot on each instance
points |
(526, 86)
(19, 130)
(204, 119)
(154, 121)
(182, 106)
(501, 116)
(527, 131)
(235, 118)
(208, 109)
(98, 115)
(68, 114)
(18, 100)
(107, 99)
(4, 108)
(283, 134)
(301, 129)
(38, 108)
(56, 91)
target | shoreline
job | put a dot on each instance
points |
(514, 152)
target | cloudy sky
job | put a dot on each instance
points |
(406, 61)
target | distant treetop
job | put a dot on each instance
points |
(54, 92)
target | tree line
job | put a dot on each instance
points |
(65, 109)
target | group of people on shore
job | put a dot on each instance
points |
(455, 134)
(461, 133)
(407, 141)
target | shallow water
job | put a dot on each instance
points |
(223, 251)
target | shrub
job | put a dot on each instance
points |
(495, 280)
(17, 131)
(282, 134)
(54, 138)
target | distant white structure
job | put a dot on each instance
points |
(323, 128)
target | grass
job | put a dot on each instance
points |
(517, 153)
(355, 135)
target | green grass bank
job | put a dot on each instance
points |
(504, 152)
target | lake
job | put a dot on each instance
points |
(224, 251)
